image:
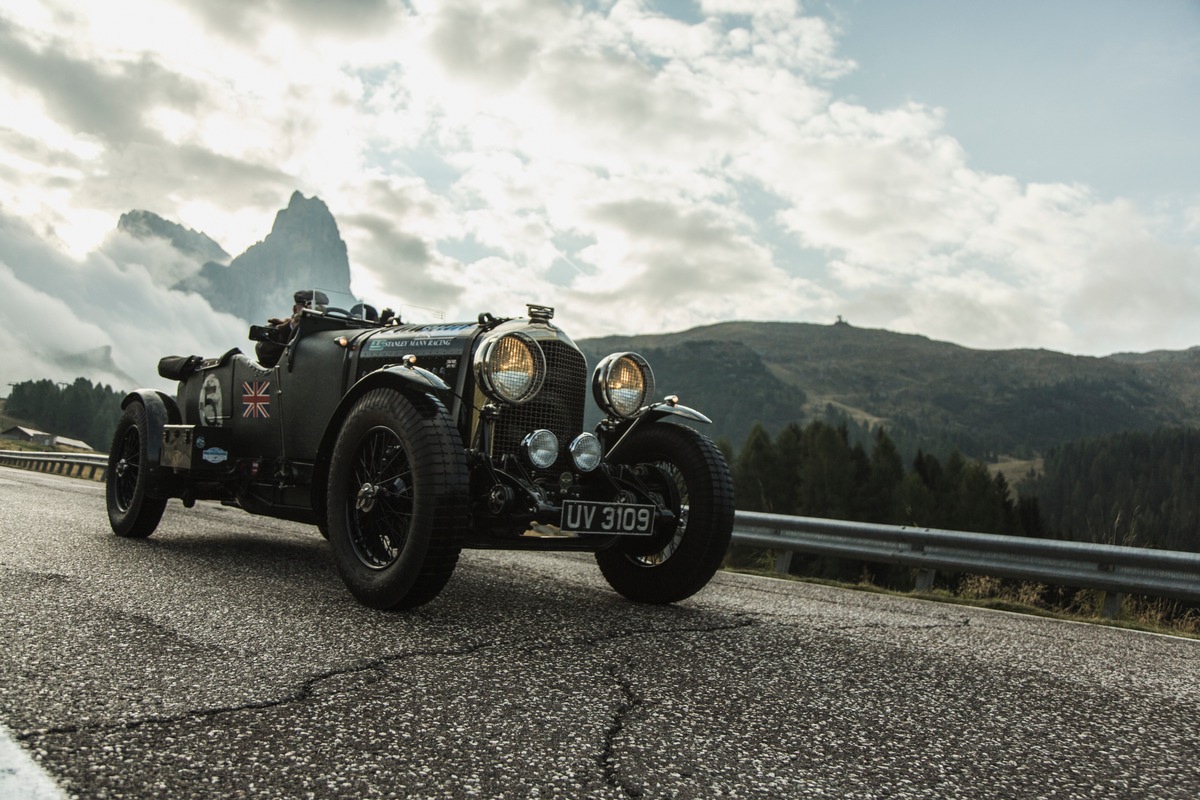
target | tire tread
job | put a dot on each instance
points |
(710, 518)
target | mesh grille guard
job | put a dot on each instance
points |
(558, 407)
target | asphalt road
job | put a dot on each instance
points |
(223, 658)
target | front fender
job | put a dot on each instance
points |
(406, 378)
(671, 406)
(616, 434)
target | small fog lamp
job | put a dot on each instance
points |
(540, 448)
(586, 452)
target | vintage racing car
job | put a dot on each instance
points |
(405, 443)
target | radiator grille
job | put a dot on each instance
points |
(558, 407)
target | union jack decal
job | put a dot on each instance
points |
(256, 402)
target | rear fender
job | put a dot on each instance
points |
(161, 411)
(405, 378)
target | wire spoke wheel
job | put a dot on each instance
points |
(133, 511)
(669, 488)
(398, 499)
(127, 469)
(382, 486)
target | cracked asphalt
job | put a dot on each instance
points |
(223, 658)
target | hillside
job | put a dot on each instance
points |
(987, 403)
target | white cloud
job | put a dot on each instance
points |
(601, 158)
(164, 265)
(56, 305)
(1191, 216)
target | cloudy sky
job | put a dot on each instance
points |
(1018, 174)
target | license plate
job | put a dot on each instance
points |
(585, 516)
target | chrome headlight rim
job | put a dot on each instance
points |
(495, 382)
(609, 388)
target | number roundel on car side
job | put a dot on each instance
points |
(212, 401)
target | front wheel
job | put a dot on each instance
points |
(397, 499)
(687, 472)
(132, 512)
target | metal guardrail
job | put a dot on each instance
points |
(75, 465)
(1110, 568)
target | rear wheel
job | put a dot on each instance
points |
(687, 473)
(397, 499)
(131, 511)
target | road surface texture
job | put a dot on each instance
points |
(223, 658)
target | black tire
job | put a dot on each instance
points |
(397, 501)
(132, 512)
(689, 473)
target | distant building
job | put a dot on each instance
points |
(41, 437)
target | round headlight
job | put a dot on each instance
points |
(586, 452)
(540, 448)
(621, 384)
(510, 368)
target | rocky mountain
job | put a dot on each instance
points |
(96, 363)
(192, 243)
(987, 403)
(303, 249)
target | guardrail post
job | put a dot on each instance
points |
(1112, 605)
(783, 562)
(925, 579)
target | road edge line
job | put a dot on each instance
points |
(21, 776)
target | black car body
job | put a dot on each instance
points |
(405, 443)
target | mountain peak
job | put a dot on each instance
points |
(97, 363)
(142, 224)
(308, 214)
(303, 250)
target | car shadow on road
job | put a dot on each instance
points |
(500, 594)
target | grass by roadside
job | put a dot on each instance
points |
(1149, 614)
(34, 447)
